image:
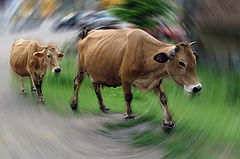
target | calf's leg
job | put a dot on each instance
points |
(38, 85)
(128, 99)
(77, 82)
(167, 118)
(99, 96)
(22, 85)
(33, 89)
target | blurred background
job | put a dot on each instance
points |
(207, 124)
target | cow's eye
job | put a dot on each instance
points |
(49, 56)
(182, 64)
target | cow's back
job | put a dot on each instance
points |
(19, 57)
(101, 54)
(110, 55)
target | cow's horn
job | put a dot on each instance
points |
(192, 43)
(173, 51)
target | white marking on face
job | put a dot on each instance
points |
(190, 89)
(53, 70)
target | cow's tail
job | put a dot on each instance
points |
(83, 33)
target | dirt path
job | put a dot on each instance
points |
(28, 131)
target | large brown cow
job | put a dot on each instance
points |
(133, 57)
(30, 58)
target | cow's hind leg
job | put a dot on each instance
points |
(22, 85)
(128, 98)
(167, 118)
(99, 96)
(77, 82)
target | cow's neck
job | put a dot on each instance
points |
(41, 67)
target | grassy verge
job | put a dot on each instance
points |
(207, 124)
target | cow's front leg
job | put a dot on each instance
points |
(99, 96)
(128, 99)
(167, 118)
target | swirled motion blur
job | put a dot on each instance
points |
(207, 124)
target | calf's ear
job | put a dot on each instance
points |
(60, 55)
(161, 57)
(38, 54)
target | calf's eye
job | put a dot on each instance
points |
(48, 56)
(182, 64)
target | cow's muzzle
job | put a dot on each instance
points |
(56, 70)
(193, 88)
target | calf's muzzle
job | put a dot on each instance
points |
(57, 70)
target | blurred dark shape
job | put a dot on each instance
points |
(93, 19)
(29, 23)
(71, 20)
(215, 25)
(164, 32)
(84, 33)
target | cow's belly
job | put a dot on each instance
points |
(103, 70)
(145, 85)
(20, 68)
(110, 81)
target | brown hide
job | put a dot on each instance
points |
(113, 56)
(22, 58)
(23, 61)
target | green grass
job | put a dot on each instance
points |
(207, 124)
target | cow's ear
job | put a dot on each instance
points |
(195, 54)
(161, 57)
(60, 55)
(38, 54)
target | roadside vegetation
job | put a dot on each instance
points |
(207, 124)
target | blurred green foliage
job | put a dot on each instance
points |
(142, 12)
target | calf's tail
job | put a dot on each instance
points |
(83, 33)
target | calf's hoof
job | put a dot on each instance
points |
(33, 91)
(105, 109)
(168, 125)
(74, 105)
(129, 117)
(24, 92)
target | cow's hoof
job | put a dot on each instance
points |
(40, 100)
(74, 105)
(168, 126)
(24, 91)
(105, 109)
(129, 117)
